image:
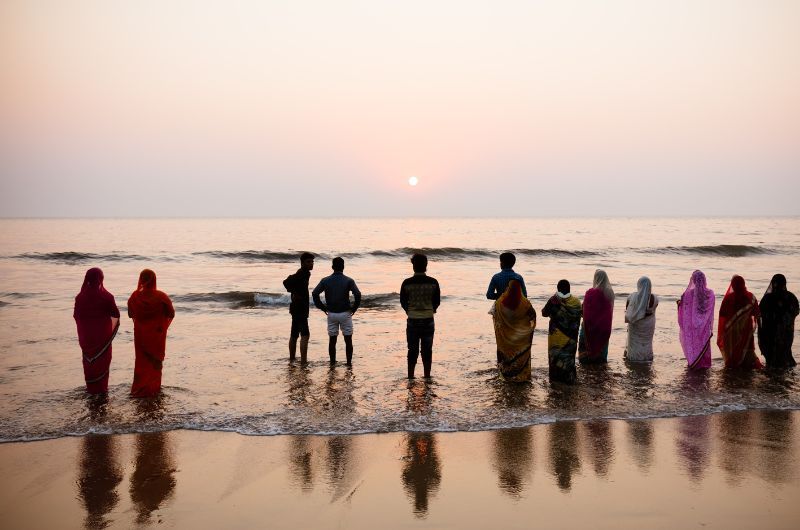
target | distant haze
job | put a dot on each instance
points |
(327, 108)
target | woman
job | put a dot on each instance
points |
(738, 319)
(97, 318)
(598, 312)
(564, 311)
(152, 313)
(514, 321)
(696, 320)
(640, 314)
(778, 309)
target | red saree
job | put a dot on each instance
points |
(738, 317)
(94, 310)
(152, 313)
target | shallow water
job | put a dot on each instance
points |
(226, 366)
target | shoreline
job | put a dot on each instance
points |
(709, 470)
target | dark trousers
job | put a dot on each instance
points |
(419, 334)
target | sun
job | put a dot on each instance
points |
(413, 181)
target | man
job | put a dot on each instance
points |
(297, 284)
(337, 288)
(419, 297)
(501, 280)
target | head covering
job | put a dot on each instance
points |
(736, 297)
(638, 301)
(696, 317)
(513, 295)
(93, 281)
(147, 280)
(602, 282)
(777, 284)
(93, 300)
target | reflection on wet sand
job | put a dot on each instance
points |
(693, 445)
(99, 475)
(777, 463)
(339, 454)
(153, 480)
(300, 456)
(735, 437)
(564, 457)
(598, 445)
(640, 443)
(513, 459)
(422, 472)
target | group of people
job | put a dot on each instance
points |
(576, 330)
(585, 328)
(97, 318)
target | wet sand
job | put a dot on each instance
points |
(732, 470)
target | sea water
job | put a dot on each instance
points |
(227, 367)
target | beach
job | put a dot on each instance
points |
(730, 470)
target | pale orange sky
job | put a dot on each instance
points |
(326, 108)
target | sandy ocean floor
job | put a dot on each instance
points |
(732, 470)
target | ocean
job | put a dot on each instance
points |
(227, 366)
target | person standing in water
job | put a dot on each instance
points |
(97, 319)
(152, 313)
(337, 288)
(297, 285)
(565, 312)
(420, 297)
(500, 281)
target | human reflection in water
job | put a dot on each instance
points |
(640, 380)
(735, 437)
(339, 396)
(300, 462)
(598, 444)
(513, 459)
(693, 444)
(564, 457)
(776, 462)
(422, 472)
(640, 441)
(153, 478)
(99, 476)
(298, 384)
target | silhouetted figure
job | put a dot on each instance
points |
(99, 476)
(337, 288)
(152, 481)
(152, 314)
(422, 472)
(420, 297)
(97, 319)
(779, 308)
(500, 281)
(297, 285)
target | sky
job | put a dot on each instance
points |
(326, 108)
